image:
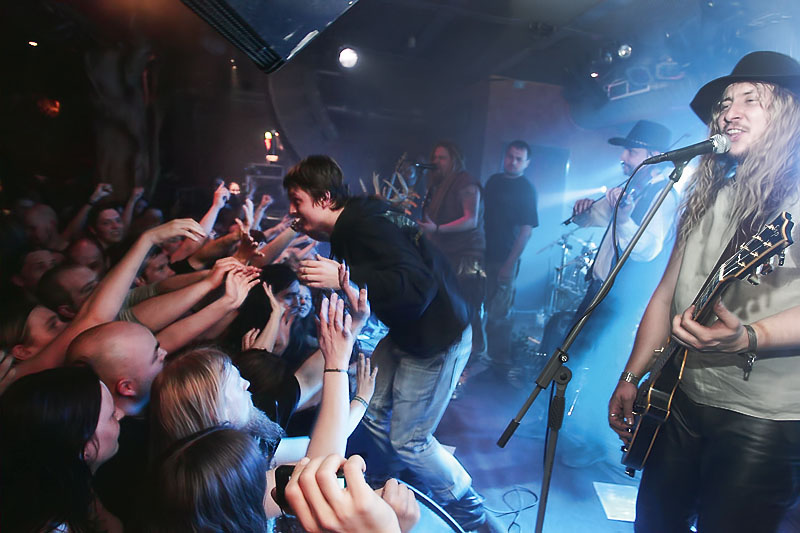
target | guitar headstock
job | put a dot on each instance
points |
(757, 256)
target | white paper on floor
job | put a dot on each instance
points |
(619, 501)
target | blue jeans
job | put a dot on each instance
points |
(411, 394)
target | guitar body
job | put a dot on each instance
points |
(651, 409)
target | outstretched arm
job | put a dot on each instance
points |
(104, 303)
(336, 343)
(182, 332)
(160, 311)
(187, 248)
(77, 223)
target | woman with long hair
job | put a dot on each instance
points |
(58, 427)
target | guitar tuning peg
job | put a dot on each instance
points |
(765, 269)
(753, 279)
(781, 257)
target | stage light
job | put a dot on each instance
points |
(594, 74)
(33, 43)
(348, 57)
(624, 51)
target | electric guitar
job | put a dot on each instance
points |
(654, 398)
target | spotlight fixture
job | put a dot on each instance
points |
(594, 74)
(33, 43)
(348, 57)
(624, 51)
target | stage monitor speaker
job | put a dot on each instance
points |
(270, 33)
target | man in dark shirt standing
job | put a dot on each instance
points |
(510, 216)
(412, 291)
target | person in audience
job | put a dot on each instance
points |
(65, 288)
(85, 251)
(41, 228)
(59, 426)
(213, 480)
(106, 300)
(154, 269)
(221, 396)
(106, 225)
(28, 267)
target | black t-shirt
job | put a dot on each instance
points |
(274, 388)
(509, 204)
(120, 482)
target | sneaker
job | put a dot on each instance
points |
(470, 514)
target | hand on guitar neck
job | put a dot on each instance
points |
(726, 335)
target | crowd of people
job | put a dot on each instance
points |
(155, 375)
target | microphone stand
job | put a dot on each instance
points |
(554, 372)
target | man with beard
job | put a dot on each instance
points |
(453, 220)
(729, 452)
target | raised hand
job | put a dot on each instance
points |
(222, 267)
(221, 196)
(335, 336)
(358, 301)
(249, 339)
(322, 505)
(137, 193)
(179, 227)
(266, 201)
(238, 285)
(248, 247)
(101, 191)
(365, 378)
(249, 215)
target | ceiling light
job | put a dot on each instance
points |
(348, 57)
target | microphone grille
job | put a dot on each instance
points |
(722, 143)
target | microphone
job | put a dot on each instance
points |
(425, 166)
(719, 144)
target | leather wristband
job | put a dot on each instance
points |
(752, 340)
(629, 377)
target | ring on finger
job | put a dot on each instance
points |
(613, 415)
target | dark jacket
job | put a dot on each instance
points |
(411, 288)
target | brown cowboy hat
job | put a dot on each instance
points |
(767, 67)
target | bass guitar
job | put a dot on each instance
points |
(654, 398)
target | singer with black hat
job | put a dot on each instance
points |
(728, 454)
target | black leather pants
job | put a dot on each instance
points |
(732, 472)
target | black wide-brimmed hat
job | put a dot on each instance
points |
(645, 134)
(767, 67)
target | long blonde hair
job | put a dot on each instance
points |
(185, 396)
(765, 178)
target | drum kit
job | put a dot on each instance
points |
(568, 281)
